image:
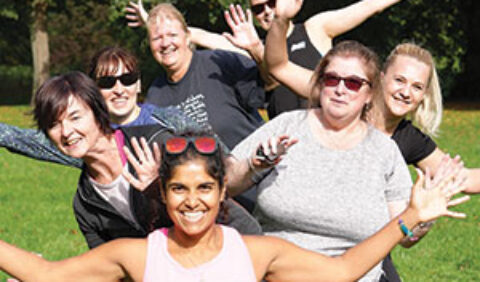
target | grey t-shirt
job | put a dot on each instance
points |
(327, 200)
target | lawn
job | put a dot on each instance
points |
(36, 208)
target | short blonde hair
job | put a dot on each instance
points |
(164, 11)
(428, 114)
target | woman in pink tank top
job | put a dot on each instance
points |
(195, 248)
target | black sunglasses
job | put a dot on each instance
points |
(260, 8)
(108, 81)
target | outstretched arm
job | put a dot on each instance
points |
(34, 144)
(244, 36)
(433, 162)
(137, 16)
(284, 261)
(109, 262)
(293, 76)
(325, 26)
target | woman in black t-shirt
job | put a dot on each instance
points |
(410, 87)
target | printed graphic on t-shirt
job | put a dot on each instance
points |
(298, 46)
(195, 108)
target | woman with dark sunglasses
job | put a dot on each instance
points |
(118, 77)
(70, 110)
(307, 41)
(195, 248)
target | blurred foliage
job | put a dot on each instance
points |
(78, 28)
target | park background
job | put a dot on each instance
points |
(35, 197)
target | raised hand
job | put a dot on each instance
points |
(434, 202)
(270, 153)
(146, 166)
(243, 34)
(136, 14)
(287, 8)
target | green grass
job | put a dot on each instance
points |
(36, 201)
(36, 208)
(451, 251)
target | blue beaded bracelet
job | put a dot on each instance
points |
(407, 232)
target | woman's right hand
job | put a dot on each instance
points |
(145, 163)
(270, 153)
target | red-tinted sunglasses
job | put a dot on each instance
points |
(203, 144)
(108, 81)
(353, 83)
(260, 8)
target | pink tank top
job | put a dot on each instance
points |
(233, 263)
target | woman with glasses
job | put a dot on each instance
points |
(70, 110)
(305, 83)
(195, 248)
(307, 41)
(343, 179)
(117, 75)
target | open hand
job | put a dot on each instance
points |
(244, 34)
(434, 202)
(146, 166)
(136, 14)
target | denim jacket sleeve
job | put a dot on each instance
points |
(34, 144)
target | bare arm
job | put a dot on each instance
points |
(324, 26)
(295, 77)
(286, 262)
(433, 161)
(109, 262)
(211, 40)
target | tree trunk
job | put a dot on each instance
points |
(39, 40)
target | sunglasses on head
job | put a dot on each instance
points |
(108, 81)
(260, 8)
(203, 144)
(353, 83)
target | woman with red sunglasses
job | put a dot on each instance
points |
(72, 112)
(349, 178)
(195, 248)
(300, 81)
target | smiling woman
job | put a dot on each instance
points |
(350, 179)
(198, 249)
(71, 111)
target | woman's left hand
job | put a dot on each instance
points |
(146, 166)
(244, 35)
(433, 202)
